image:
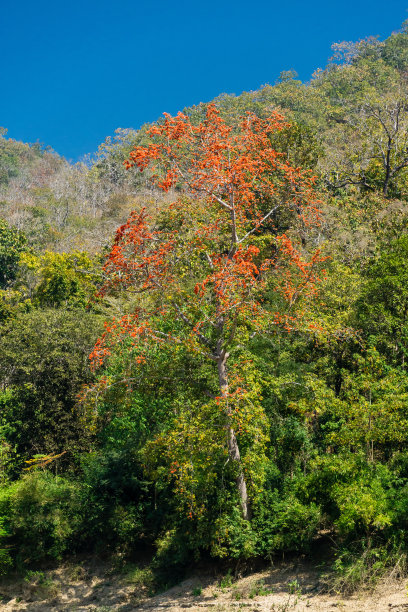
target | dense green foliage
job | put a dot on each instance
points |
(133, 454)
(12, 244)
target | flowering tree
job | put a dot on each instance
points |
(207, 259)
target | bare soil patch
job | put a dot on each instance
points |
(93, 587)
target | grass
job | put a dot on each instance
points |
(259, 589)
(138, 576)
(227, 580)
(356, 569)
(41, 586)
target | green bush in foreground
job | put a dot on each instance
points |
(40, 512)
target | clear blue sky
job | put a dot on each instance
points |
(73, 71)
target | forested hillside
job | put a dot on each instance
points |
(224, 375)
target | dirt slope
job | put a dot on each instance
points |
(287, 587)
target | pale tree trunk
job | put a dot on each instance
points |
(221, 357)
(232, 443)
(387, 169)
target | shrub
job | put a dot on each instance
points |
(286, 524)
(41, 515)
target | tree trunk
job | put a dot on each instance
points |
(387, 170)
(232, 443)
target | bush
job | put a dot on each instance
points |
(364, 565)
(118, 501)
(364, 507)
(5, 559)
(233, 537)
(286, 523)
(44, 364)
(40, 512)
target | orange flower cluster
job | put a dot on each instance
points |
(119, 330)
(138, 256)
(302, 276)
(213, 160)
(234, 181)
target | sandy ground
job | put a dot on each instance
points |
(287, 587)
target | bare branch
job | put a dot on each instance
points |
(258, 225)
